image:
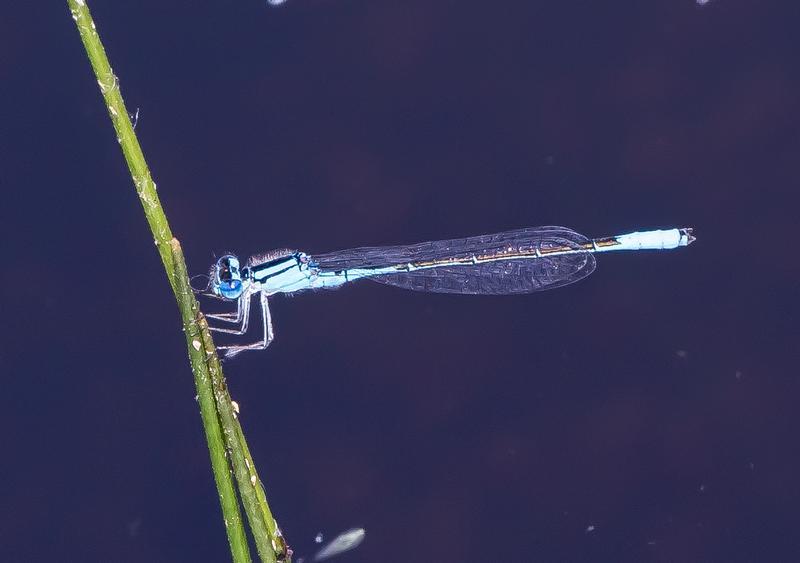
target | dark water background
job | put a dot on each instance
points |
(648, 413)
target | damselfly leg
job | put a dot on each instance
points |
(266, 322)
(236, 317)
(242, 316)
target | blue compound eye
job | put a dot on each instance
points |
(230, 289)
(228, 278)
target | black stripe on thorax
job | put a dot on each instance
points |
(291, 261)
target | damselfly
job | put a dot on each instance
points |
(512, 262)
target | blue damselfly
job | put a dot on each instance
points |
(511, 262)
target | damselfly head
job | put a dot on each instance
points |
(225, 278)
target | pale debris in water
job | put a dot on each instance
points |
(590, 528)
(318, 538)
(343, 542)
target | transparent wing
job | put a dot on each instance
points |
(496, 278)
(499, 277)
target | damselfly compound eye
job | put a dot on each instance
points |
(228, 282)
(230, 289)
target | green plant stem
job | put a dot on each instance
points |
(109, 87)
(269, 541)
(223, 433)
(196, 334)
(261, 498)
